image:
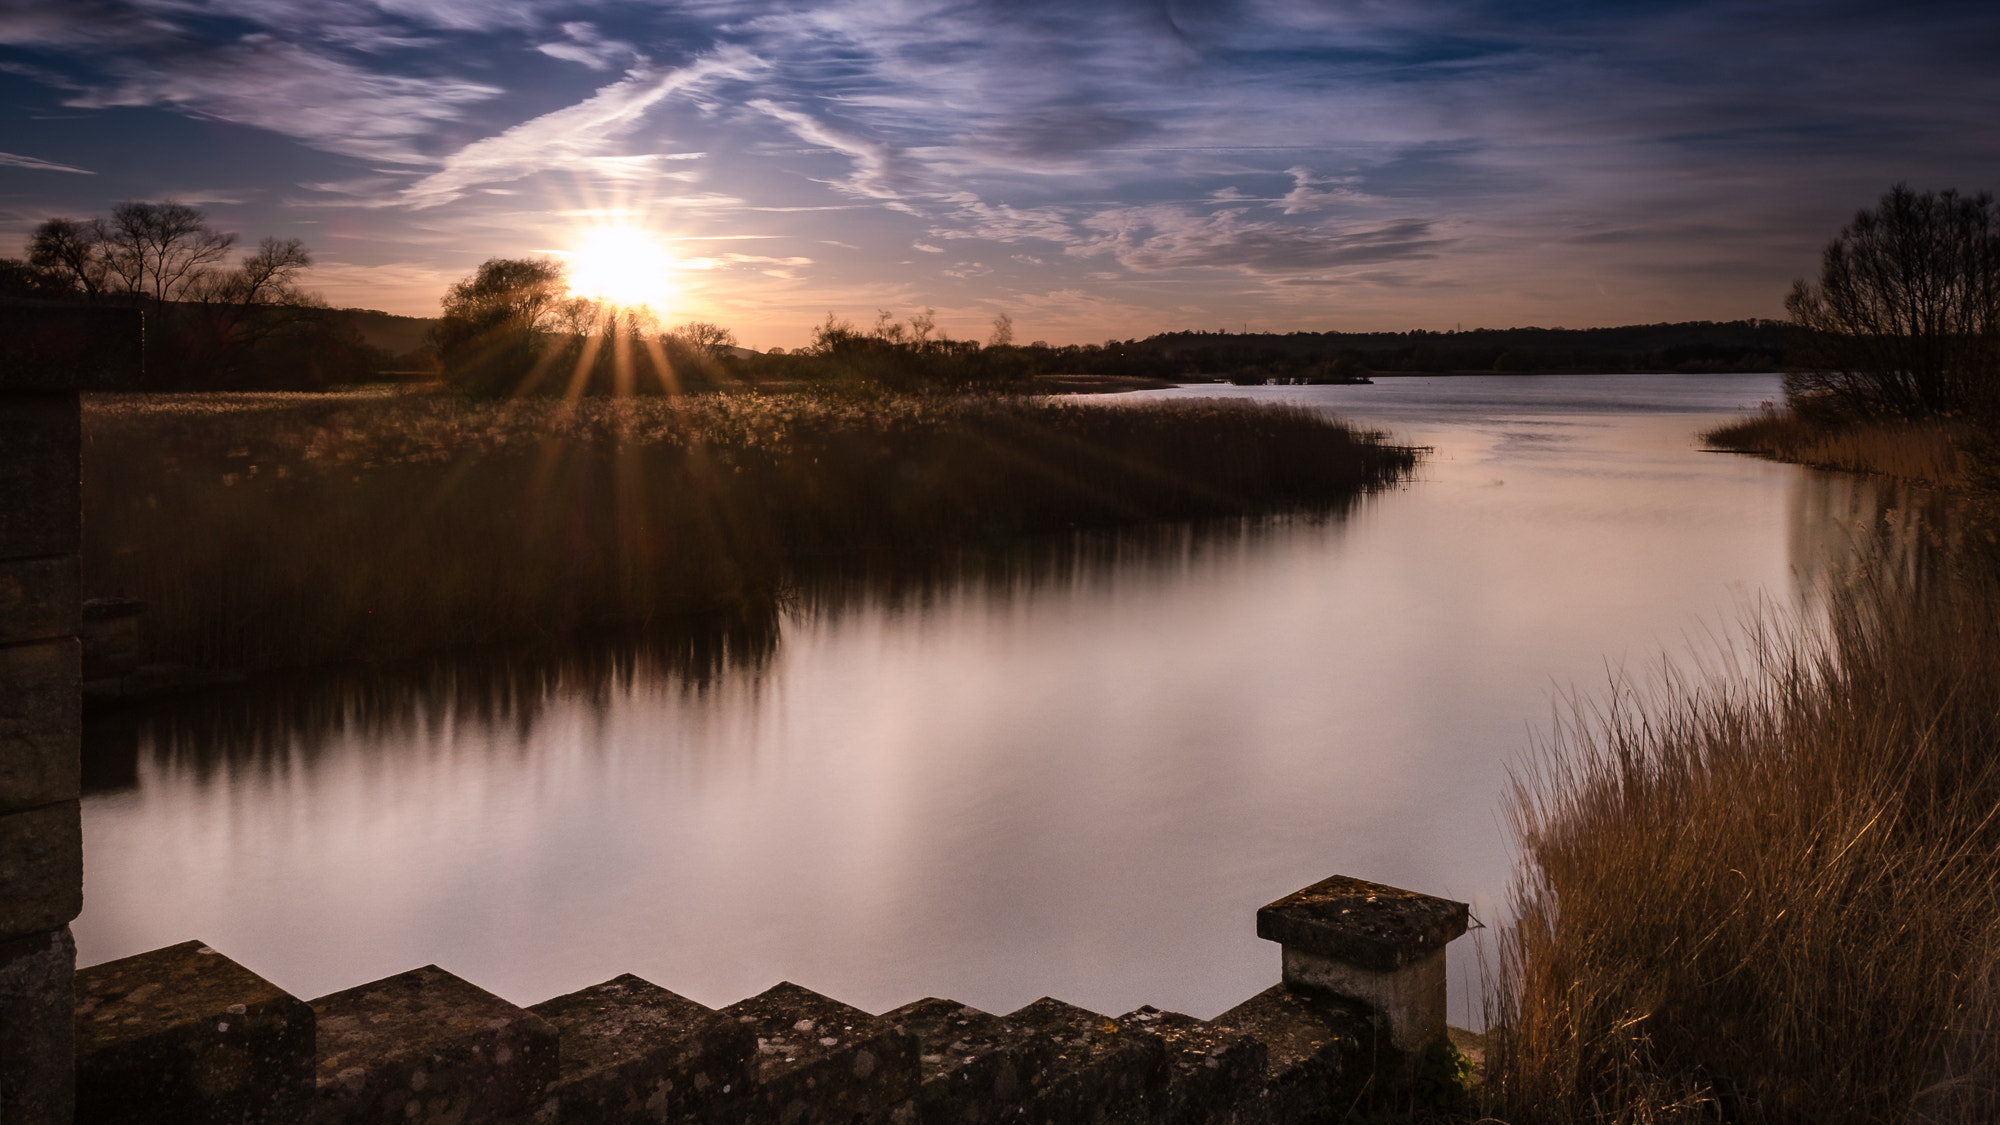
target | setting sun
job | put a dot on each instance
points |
(621, 265)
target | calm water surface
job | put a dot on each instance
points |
(1076, 771)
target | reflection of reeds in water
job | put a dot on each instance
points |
(1924, 451)
(276, 531)
(286, 719)
(1774, 895)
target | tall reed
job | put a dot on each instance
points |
(1924, 450)
(284, 530)
(1773, 894)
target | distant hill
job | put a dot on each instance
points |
(397, 335)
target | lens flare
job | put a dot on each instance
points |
(622, 266)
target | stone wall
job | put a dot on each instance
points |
(184, 1034)
(48, 354)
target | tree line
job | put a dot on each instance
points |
(513, 327)
(210, 324)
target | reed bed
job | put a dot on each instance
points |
(1770, 894)
(275, 530)
(1925, 451)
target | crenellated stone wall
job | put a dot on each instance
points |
(186, 1035)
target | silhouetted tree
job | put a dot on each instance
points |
(162, 251)
(1905, 318)
(499, 324)
(710, 340)
(73, 255)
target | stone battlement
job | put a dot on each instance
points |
(184, 1034)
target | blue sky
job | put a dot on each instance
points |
(1092, 169)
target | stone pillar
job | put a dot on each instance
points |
(1374, 944)
(48, 354)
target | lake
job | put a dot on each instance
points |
(1075, 770)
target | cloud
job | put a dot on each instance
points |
(581, 43)
(1306, 195)
(1156, 238)
(264, 81)
(13, 160)
(879, 171)
(576, 133)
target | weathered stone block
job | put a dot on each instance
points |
(820, 1061)
(1376, 944)
(1322, 1054)
(1101, 1070)
(1210, 1069)
(427, 1047)
(976, 1067)
(41, 471)
(185, 1034)
(38, 598)
(61, 347)
(41, 869)
(41, 718)
(633, 1051)
(37, 1072)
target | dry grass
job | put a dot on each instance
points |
(287, 530)
(1770, 896)
(1927, 452)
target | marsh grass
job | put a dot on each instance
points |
(1770, 894)
(1926, 451)
(272, 531)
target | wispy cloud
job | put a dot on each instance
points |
(581, 43)
(267, 82)
(880, 172)
(1157, 238)
(14, 160)
(575, 133)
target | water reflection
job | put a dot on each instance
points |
(1073, 768)
(285, 722)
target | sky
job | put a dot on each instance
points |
(1093, 169)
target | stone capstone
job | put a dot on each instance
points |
(820, 1061)
(976, 1067)
(427, 1047)
(185, 1034)
(1100, 1070)
(1368, 925)
(632, 1051)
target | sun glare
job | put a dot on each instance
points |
(623, 266)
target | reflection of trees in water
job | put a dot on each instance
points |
(279, 722)
(1846, 529)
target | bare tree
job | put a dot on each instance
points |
(1905, 318)
(163, 250)
(74, 253)
(921, 327)
(711, 340)
(1003, 332)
